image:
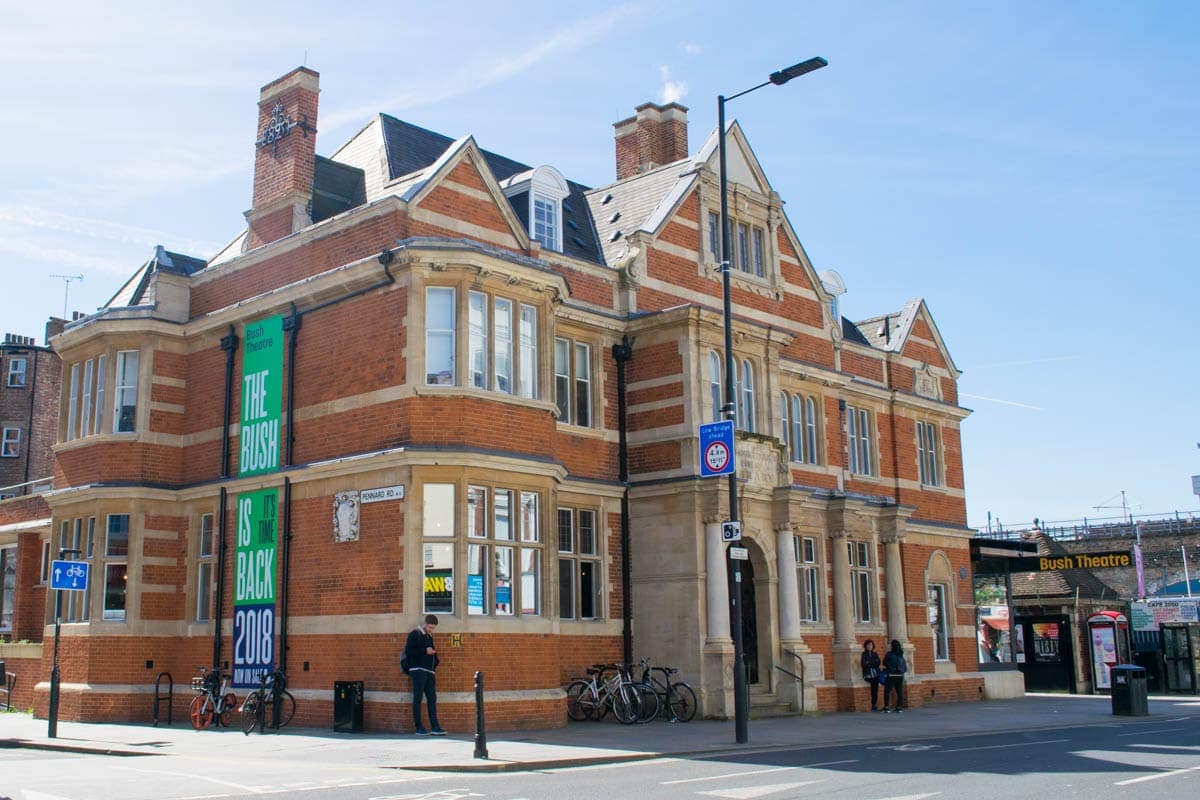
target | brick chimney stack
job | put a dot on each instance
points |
(284, 157)
(657, 135)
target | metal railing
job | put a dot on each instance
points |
(1071, 530)
(27, 488)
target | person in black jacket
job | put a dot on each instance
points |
(422, 663)
(895, 665)
(870, 670)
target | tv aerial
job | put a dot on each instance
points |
(66, 279)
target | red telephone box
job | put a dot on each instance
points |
(1108, 640)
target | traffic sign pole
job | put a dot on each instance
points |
(52, 714)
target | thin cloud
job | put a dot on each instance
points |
(672, 91)
(691, 48)
(473, 77)
(1001, 402)
(36, 220)
(1025, 362)
(65, 257)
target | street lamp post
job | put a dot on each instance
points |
(741, 711)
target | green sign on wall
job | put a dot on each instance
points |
(254, 584)
(262, 396)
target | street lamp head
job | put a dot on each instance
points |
(796, 70)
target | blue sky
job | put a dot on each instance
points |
(1032, 170)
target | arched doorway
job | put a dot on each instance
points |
(747, 597)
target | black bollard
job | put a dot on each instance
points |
(480, 730)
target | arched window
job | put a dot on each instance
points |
(714, 383)
(797, 430)
(810, 424)
(745, 419)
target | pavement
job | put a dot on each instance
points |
(583, 743)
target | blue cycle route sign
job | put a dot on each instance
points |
(716, 448)
(70, 576)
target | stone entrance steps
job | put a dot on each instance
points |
(765, 704)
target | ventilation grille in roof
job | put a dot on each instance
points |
(571, 224)
(567, 207)
(606, 199)
(616, 216)
(615, 235)
(578, 241)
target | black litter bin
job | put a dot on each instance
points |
(1129, 698)
(348, 706)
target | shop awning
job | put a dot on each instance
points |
(998, 623)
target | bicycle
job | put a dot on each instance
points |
(594, 697)
(214, 701)
(271, 694)
(677, 698)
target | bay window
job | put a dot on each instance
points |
(439, 336)
(116, 566)
(126, 392)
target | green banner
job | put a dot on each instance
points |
(254, 584)
(262, 396)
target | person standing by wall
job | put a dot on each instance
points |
(895, 665)
(422, 659)
(870, 670)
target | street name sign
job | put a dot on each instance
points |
(69, 576)
(716, 449)
(381, 494)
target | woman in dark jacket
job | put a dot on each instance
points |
(870, 671)
(896, 665)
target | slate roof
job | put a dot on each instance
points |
(889, 331)
(137, 291)
(1058, 584)
(410, 148)
(337, 187)
(625, 206)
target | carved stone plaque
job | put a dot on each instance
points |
(345, 517)
(926, 384)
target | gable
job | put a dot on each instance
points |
(923, 341)
(460, 197)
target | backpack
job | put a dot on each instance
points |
(404, 662)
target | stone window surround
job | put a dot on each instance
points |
(102, 428)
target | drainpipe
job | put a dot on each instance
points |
(229, 343)
(292, 326)
(218, 616)
(622, 353)
(283, 586)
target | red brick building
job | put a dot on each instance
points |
(398, 392)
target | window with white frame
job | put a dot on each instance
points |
(861, 579)
(439, 335)
(858, 424)
(205, 569)
(16, 371)
(715, 389)
(745, 398)
(546, 221)
(503, 549)
(528, 358)
(85, 411)
(10, 444)
(72, 431)
(502, 345)
(477, 338)
(116, 566)
(126, 392)
(573, 382)
(580, 588)
(798, 414)
(808, 576)
(927, 454)
(8, 586)
(98, 403)
(938, 622)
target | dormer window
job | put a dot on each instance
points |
(546, 221)
(544, 190)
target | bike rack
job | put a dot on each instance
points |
(170, 698)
